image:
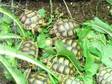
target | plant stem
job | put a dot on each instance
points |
(68, 9)
(4, 11)
(5, 51)
(51, 6)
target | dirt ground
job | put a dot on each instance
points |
(81, 10)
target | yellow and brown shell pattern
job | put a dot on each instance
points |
(39, 78)
(61, 66)
(71, 80)
(104, 76)
(32, 20)
(73, 46)
(69, 44)
(64, 28)
(30, 48)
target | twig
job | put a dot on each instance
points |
(68, 9)
(51, 6)
(27, 73)
(27, 2)
(97, 5)
(14, 24)
(12, 3)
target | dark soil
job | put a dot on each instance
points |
(81, 10)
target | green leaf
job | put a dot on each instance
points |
(41, 40)
(88, 79)
(102, 27)
(4, 28)
(17, 75)
(90, 67)
(14, 18)
(107, 55)
(95, 42)
(12, 53)
(64, 52)
(42, 12)
(50, 50)
(82, 33)
(52, 79)
(5, 19)
(109, 1)
(9, 36)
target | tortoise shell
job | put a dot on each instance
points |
(104, 76)
(32, 20)
(30, 48)
(71, 80)
(73, 46)
(64, 28)
(61, 66)
(39, 78)
(69, 44)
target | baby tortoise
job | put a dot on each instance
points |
(61, 66)
(31, 49)
(32, 20)
(104, 76)
(71, 80)
(70, 44)
(64, 28)
(39, 78)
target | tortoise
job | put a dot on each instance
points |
(32, 20)
(39, 78)
(43, 78)
(64, 28)
(30, 48)
(71, 80)
(104, 76)
(61, 66)
(70, 44)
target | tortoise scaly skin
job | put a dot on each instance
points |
(71, 80)
(64, 28)
(39, 78)
(61, 66)
(104, 76)
(32, 20)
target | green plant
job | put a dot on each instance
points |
(94, 37)
(109, 1)
(11, 52)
